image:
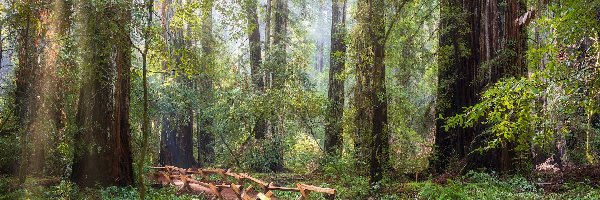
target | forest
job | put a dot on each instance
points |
(299, 99)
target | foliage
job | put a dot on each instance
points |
(66, 190)
(489, 186)
(510, 110)
(558, 99)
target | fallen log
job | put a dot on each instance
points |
(185, 180)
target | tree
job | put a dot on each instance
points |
(335, 109)
(205, 134)
(177, 124)
(169, 152)
(145, 118)
(253, 31)
(476, 50)
(39, 101)
(370, 94)
(102, 144)
(278, 74)
(27, 72)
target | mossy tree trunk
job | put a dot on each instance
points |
(102, 144)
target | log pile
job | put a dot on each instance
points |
(230, 185)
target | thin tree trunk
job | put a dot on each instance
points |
(145, 118)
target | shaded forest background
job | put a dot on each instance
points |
(381, 99)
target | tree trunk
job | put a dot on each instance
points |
(169, 153)
(280, 40)
(169, 150)
(277, 80)
(495, 49)
(260, 126)
(102, 158)
(335, 109)
(185, 118)
(380, 148)
(206, 152)
(186, 142)
(370, 96)
(455, 91)
(38, 81)
(145, 118)
(29, 41)
(363, 105)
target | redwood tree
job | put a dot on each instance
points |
(102, 144)
(370, 93)
(335, 109)
(480, 43)
(206, 139)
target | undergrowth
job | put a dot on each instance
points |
(473, 185)
(67, 190)
(489, 186)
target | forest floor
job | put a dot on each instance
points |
(576, 183)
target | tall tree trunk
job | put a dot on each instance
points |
(260, 126)
(164, 155)
(279, 42)
(169, 151)
(61, 110)
(206, 152)
(370, 95)
(185, 118)
(337, 59)
(29, 41)
(102, 158)
(145, 118)
(38, 82)
(268, 26)
(495, 48)
(362, 103)
(380, 149)
(277, 80)
(455, 91)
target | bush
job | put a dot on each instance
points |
(476, 185)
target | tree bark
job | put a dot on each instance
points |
(495, 48)
(335, 109)
(380, 148)
(184, 136)
(102, 158)
(260, 126)
(174, 132)
(38, 81)
(277, 79)
(26, 74)
(206, 152)
(370, 95)
(145, 118)
(168, 136)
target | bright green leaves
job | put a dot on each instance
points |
(510, 112)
